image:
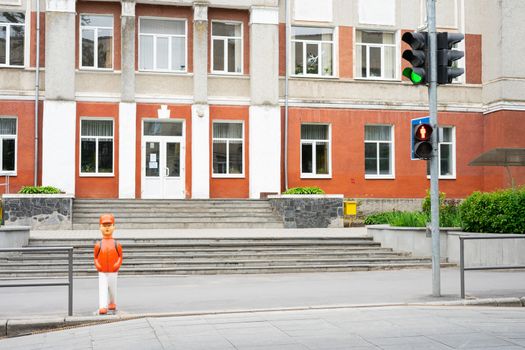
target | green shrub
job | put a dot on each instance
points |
(495, 212)
(449, 215)
(398, 218)
(39, 190)
(304, 190)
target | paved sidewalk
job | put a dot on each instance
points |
(387, 328)
(213, 293)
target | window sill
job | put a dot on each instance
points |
(228, 176)
(307, 76)
(380, 177)
(12, 67)
(448, 177)
(92, 69)
(378, 79)
(227, 74)
(96, 175)
(8, 173)
(164, 72)
(312, 176)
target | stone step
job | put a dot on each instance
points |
(184, 225)
(187, 263)
(10, 274)
(149, 210)
(177, 216)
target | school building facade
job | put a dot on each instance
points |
(183, 99)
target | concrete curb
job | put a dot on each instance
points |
(18, 327)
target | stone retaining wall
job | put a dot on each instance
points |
(309, 211)
(39, 211)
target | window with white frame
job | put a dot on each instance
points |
(312, 51)
(96, 147)
(228, 149)
(8, 145)
(378, 151)
(12, 32)
(227, 52)
(162, 45)
(315, 150)
(446, 153)
(375, 55)
(96, 50)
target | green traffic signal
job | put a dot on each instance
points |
(414, 77)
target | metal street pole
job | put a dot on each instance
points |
(434, 186)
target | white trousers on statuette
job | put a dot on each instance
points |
(107, 289)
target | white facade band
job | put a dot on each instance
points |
(128, 8)
(264, 15)
(126, 147)
(200, 12)
(60, 6)
(58, 145)
(265, 150)
(200, 151)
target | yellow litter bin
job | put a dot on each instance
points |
(350, 208)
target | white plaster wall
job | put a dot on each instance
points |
(265, 150)
(200, 151)
(313, 10)
(381, 12)
(127, 140)
(58, 145)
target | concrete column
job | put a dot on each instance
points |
(127, 106)
(59, 115)
(265, 115)
(127, 80)
(60, 50)
(127, 141)
(200, 111)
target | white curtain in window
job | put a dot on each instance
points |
(314, 132)
(227, 130)
(97, 128)
(7, 126)
(377, 133)
(156, 26)
(146, 52)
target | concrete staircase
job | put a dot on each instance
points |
(172, 214)
(187, 256)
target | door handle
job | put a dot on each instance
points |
(167, 171)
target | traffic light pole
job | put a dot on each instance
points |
(434, 184)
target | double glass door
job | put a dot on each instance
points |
(163, 165)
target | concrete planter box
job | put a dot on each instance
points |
(14, 236)
(477, 252)
(309, 211)
(38, 211)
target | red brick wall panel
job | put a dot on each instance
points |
(473, 58)
(346, 45)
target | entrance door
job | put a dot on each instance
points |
(163, 159)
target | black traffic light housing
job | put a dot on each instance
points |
(417, 56)
(446, 57)
(422, 141)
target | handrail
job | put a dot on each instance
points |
(462, 267)
(47, 249)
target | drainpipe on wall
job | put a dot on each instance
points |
(286, 81)
(37, 86)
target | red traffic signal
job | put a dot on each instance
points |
(422, 132)
(422, 146)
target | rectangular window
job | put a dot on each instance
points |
(96, 147)
(162, 45)
(12, 32)
(228, 149)
(227, 52)
(315, 150)
(8, 145)
(378, 151)
(375, 55)
(312, 51)
(96, 32)
(446, 153)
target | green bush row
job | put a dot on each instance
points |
(494, 212)
(39, 190)
(304, 190)
(498, 212)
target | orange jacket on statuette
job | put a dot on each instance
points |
(108, 255)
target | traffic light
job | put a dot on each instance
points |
(418, 57)
(446, 57)
(422, 144)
